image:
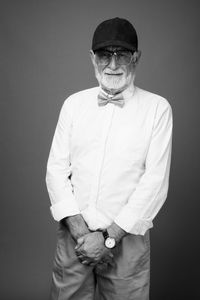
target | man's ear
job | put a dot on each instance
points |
(136, 56)
(92, 57)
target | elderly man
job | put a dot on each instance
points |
(107, 175)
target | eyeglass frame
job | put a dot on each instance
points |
(115, 54)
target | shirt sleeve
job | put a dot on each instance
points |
(137, 215)
(58, 182)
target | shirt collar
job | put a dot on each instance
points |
(127, 93)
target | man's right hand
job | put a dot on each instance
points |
(90, 249)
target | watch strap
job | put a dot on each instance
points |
(105, 234)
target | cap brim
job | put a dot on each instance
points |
(114, 43)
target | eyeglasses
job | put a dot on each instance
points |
(122, 57)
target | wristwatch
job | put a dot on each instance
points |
(109, 241)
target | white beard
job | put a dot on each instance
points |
(114, 84)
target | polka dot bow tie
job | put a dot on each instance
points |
(104, 99)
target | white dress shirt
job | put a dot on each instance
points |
(111, 163)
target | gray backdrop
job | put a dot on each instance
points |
(44, 58)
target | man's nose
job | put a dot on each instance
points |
(113, 64)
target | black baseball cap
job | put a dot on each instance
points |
(115, 32)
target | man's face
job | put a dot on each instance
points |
(113, 76)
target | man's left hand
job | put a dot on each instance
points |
(90, 248)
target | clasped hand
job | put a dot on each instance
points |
(90, 249)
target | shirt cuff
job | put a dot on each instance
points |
(130, 223)
(62, 210)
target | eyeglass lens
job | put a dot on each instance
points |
(122, 57)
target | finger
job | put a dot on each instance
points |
(80, 242)
(92, 264)
(85, 262)
(79, 251)
(110, 254)
(80, 257)
(111, 263)
(108, 258)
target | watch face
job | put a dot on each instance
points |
(110, 243)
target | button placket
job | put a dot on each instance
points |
(107, 118)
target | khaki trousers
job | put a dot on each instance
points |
(128, 279)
